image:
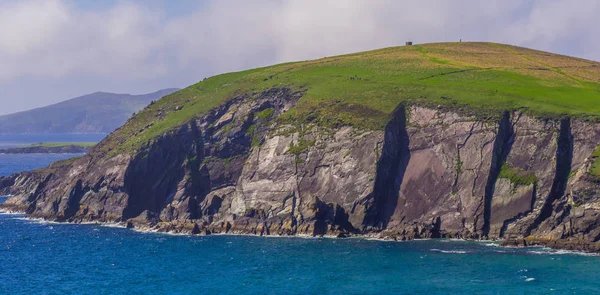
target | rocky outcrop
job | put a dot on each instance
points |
(431, 173)
(442, 188)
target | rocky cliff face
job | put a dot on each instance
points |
(431, 173)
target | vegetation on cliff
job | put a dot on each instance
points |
(517, 176)
(362, 89)
(595, 168)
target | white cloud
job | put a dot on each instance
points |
(133, 47)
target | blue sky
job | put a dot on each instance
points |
(52, 50)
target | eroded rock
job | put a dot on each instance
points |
(431, 173)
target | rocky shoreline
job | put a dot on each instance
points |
(188, 228)
(577, 247)
(432, 173)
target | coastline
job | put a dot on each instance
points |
(504, 244)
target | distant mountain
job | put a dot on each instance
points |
(99, 112)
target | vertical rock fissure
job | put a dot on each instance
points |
(151, 178)
(200, 182)
(501, 149)
(459, 163)
(73, 201)
(564, 158)
(296, 194)
(391, 167)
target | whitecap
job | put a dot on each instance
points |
(565, 252)
(377, 239)
(454, 252)
(112, 224)
(35, 220)
(450, 251)
(9, 212)
(298, 236)
(147, 230)
(529, 279)
(562, 252)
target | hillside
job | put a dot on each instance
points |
(362, 89)
(452, 140)
(98, 112)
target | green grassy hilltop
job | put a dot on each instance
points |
(362, 89)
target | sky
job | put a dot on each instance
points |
(53, 50)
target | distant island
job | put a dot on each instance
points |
(99, 112)
(51, 148)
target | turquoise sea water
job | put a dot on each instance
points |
(38, 257)
(48, 258)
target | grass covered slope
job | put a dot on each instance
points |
(362, 89)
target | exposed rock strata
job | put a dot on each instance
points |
(430, 174)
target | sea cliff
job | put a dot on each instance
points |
(432, 172)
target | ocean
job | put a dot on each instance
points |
(38, 257)
(11, 163)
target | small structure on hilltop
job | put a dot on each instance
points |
(408, 43)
